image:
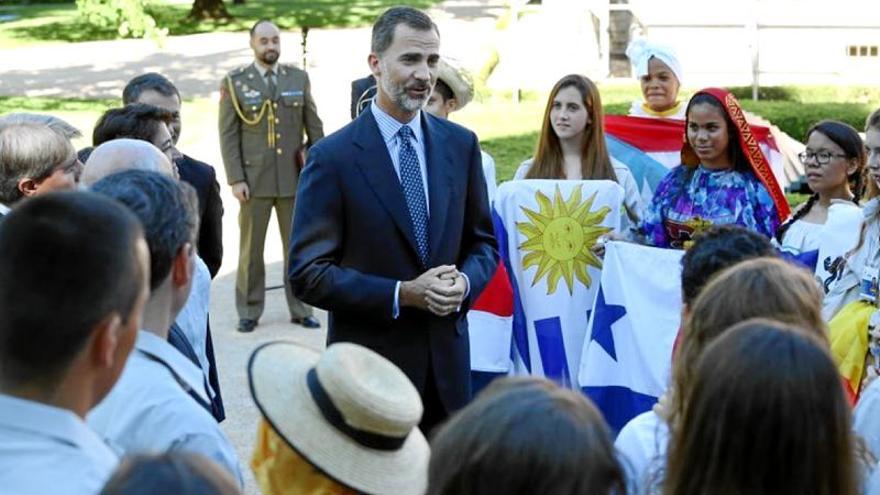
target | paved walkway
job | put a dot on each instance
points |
(196, 64)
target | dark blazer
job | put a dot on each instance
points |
(203, 178)
(355, 241)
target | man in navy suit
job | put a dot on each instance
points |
(397, 238)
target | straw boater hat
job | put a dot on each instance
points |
(458, 81)
(349, 411)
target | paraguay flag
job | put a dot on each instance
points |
(627, 354)
(546, 230)
(650, 147)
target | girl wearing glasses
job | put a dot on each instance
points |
(724, 178)
(834, 162)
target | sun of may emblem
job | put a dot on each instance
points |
(560, 236)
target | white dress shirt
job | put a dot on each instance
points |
(4, 209)
(45, 449)
(150, 410)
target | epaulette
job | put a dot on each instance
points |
(238, 70)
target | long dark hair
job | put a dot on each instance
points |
(766, 415)
(595, 163)
(525, 436)
(845, 136)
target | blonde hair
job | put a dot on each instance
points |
(595, 163)
(28, 150)
(758, 288)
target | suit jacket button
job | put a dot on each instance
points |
(278, 135)
(278, 150)
(277, 121)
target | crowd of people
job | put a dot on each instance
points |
(108, 381)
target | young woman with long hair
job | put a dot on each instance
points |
(764, 414)
(724, 178)
(572, 142)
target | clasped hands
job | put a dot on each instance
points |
(439, 290)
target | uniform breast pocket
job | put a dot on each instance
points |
(292, 100)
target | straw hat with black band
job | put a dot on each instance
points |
(349, 411)
(458, 81)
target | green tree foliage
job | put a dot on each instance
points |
(128, 17)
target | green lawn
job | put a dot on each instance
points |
(60, 22)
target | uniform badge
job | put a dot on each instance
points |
(251, 94)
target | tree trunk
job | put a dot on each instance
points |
(208, 9)
(238, 2)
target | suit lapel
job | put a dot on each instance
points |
(439, 180)
(376, 166)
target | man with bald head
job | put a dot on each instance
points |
(190, 333)
(124, 154)
(265, 108)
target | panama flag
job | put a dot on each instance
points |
(627, 352)
(650, 147)
(546, 230)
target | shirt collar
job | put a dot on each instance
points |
(262, 69)
(155, 348)
(4, 209)
(389, 126)
(50, 421)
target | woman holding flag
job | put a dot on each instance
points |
(724, 178)
(572, 142)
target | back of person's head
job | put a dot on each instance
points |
(29, 154)
(595, 162)
(150, 81)
(766, 414)
(525, 436)
(72, 275)
(57, 124)
(137, 121)
(387, 22)
(757, 288)
(124, 154)
(167, 210)
(717, 248)
(178, 473)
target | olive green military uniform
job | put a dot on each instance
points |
(261, 136)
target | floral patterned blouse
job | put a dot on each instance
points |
(689, 200)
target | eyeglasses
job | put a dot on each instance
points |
(822, 158)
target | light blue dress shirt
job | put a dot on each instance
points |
(193, 317)
(48, 450)
(388, 128)
(149, 409)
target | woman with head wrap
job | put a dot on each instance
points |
(660, 75)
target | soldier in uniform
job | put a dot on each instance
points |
(264, 109)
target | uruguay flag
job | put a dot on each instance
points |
(627, 351)
(650, 147)
(545, 231)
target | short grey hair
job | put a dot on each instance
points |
(52, 122)
(383, 28)
(28, 151)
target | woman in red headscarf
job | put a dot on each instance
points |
(724, 178)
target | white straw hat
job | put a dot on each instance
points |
(458, 81)
(349, 411)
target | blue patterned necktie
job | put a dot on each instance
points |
(413, 190)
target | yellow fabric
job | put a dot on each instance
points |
(666, 113)
(849, 341)
(279, 470)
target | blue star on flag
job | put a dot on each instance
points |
(605, 316)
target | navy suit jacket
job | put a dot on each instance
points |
(353, 239)
(203, 178)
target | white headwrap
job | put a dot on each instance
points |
(640, 51)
